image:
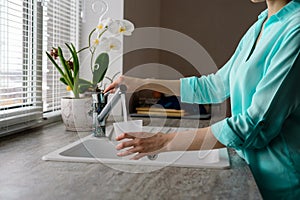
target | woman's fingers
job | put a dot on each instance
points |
(125, 144)
(132, 84)
(125, 136)
(112, 87)
(129, 152)
(125, 153)
(142, 143)
(136, 139)
(133, 135)
(133, 151)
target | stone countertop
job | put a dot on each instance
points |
(24, 175)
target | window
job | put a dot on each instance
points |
(61, 25)
(29, 85)
(20, 64)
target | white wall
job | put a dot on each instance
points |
(143, 13)
(91, 16)
(90, 21)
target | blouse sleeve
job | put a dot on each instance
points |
(213, 88)
(276, 97)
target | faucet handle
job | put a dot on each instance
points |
(95, 98)
(111, 103)
(99, 97)
(123, 88)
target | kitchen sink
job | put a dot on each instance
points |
(102, 150)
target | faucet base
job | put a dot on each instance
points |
(99, 132)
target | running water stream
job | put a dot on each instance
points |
(123, 102)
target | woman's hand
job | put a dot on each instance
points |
(132, 84)
(171, 87)
(143, 144)
(149, 143)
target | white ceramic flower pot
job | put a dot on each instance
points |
(77, 113)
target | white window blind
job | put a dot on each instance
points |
(20, 64)
(61, 25)
(29, 84)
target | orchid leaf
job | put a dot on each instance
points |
(75, 59)
(100, 67)
(83, 81)
(68, 73)
(62, 79)
(84, 85)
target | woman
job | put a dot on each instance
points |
(261, 78)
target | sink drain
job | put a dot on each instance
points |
(152, 157)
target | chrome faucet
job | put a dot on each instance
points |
(99, 102)
(101, 109)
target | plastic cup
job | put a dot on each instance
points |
(128, 127)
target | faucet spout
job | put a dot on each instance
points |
(103, 108)
(113, 101)
(99, 102)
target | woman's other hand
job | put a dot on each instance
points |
(132, 84)
(171, 87)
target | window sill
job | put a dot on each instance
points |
(48, 118)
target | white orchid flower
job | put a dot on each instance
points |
(103, 24)
(123, 27)
(96, 42)
(110, 44)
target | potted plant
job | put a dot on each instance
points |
(76, 110)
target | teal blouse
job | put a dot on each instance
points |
(264, 86)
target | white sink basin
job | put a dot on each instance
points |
(102, 150)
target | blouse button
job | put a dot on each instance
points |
(261, 123)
